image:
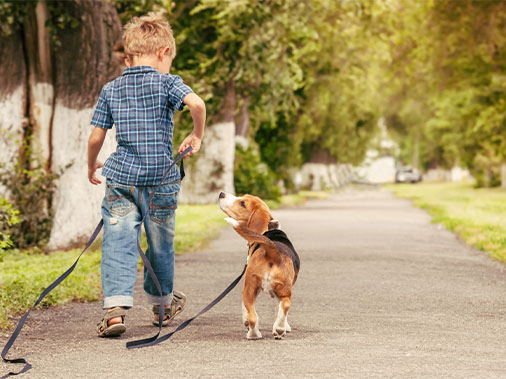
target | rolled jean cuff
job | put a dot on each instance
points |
(157, 300)
(118, 301)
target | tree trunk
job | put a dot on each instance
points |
(47, 94)
(13, 94)
(416, 150)
(242, 125)
(319, 155)
(80, 74)
(487, 177)
(212, 169)
(40, 100)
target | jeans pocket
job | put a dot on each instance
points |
(119, 200)
(164, 203)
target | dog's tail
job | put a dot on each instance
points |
(271, 250)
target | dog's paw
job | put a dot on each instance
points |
(254, 334)
(232, 221)
(278, 333)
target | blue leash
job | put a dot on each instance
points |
(132, 344)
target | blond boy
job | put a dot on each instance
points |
(141, 104)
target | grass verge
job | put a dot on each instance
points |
(24, 276)
(477, 215)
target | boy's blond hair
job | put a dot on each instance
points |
(145, 35)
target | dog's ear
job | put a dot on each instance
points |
(273, 224)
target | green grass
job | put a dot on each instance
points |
(478, 216)
(24, 276)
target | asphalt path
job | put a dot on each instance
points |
(382, 293)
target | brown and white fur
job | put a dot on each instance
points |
(268, 269)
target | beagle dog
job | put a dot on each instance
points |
(273, 263)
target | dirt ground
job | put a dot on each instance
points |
(382, 293)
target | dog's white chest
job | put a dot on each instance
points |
(267, 284)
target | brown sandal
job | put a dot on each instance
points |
(114, 330)
(176, 306)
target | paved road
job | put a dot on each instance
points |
(382, 293)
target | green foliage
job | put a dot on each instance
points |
(8, 218)
(447, 84)
(59, 19)
(337, 114)
(300, 67)
(130, 8)
(279, 147)
(13, 14)
(254, 47)
(253, 176)
(30, 191)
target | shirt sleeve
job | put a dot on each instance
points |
(177, 92)
(102, 116)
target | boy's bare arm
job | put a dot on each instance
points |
(95, 143)
(197, 109)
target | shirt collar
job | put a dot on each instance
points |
(139, 70)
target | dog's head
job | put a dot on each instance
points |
(249, 210)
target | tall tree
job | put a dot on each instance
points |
(447, 83)
(52, 87)
(244, 58)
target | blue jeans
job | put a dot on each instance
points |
(122, 211)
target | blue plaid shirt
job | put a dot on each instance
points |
(141, 104)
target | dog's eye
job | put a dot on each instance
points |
(243, 204)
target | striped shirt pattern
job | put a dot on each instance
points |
(141, 105)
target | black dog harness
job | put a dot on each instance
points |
(284, 245)
(276, 235)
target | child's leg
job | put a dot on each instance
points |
(159, 225)
(119, 247)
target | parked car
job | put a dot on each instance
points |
(408, 175)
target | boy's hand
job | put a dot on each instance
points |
(198, 111)
(193, 141)
(91, 173)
